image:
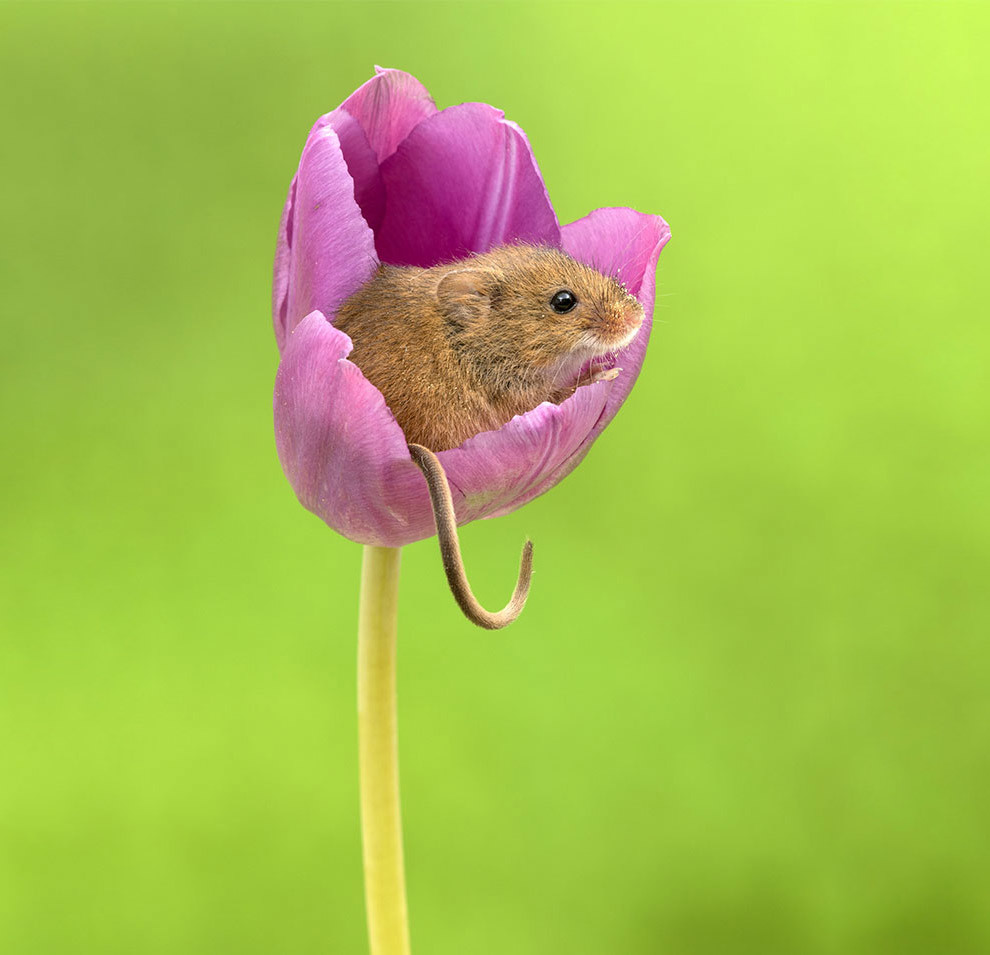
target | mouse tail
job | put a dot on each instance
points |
(450, 550)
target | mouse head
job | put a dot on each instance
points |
(534, 312)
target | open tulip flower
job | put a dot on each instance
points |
(387, 178)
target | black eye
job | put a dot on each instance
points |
(563, 301)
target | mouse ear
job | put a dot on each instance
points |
(465, 295)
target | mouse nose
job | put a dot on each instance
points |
(620, 322)
(632, 316)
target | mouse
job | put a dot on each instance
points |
(464, 346)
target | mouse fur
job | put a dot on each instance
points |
(465, 346)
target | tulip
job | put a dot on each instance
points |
(388, 178)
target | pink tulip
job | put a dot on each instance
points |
(386, 177)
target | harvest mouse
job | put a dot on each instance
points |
(463, 347)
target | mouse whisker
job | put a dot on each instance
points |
(450, 549)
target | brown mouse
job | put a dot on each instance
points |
(463, 347)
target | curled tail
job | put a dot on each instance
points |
(450, 550)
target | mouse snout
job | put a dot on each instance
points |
(620, 324)
(632, 315)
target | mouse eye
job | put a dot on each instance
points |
(563, 301)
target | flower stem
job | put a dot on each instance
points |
(381, 822)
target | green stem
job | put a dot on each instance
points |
(381, 821)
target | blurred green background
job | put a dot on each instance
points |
(747, 709)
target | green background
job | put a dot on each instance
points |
(747, 708)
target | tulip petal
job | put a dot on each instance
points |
(362, 164)
(627, 244)
(388, 107)
(370, 124)
(463, 181)
(498, 471)
(339, 445)
(283, 262)
(326, 249)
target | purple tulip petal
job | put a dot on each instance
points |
(502, 470)
(370, 124)
(325, 250)
(362, 164)
(339, 445)
(388, 107)
(283, 262)
(627, 244)
(497, 471)
(463, 181)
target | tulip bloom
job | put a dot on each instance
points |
(386, 177)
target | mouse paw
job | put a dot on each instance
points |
(609, 374)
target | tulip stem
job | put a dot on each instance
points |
(381, 821)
